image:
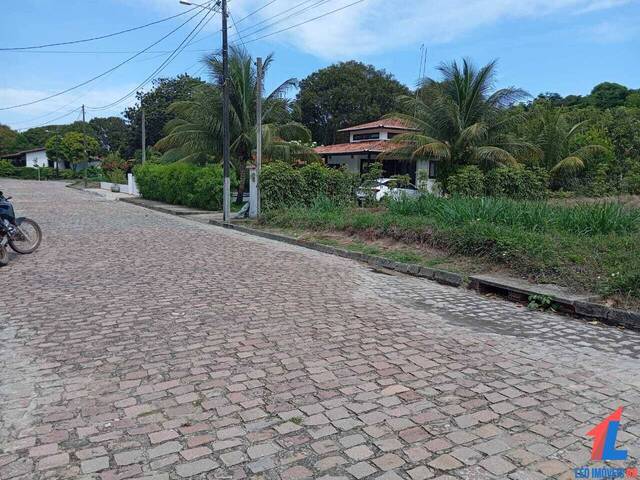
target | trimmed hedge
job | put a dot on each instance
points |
(7, 169)
(282, 185)
(182, 184)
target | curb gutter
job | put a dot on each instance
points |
(514, 290)
(580, 306)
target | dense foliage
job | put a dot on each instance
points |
(282, 185)
(182, 184)
(195, 135)
(7, 169)
(343, 95)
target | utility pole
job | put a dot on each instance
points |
(226, 187)
(84, 142)
(144, 138)
(259, 131)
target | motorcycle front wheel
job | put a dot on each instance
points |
(27, 237)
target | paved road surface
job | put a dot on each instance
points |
(139, 345)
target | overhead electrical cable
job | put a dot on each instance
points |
(196, 30)
(86, 82)
(93, 39)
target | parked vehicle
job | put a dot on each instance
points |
(383, 187)
(22, 234)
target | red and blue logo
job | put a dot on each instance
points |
(605, 435)
(604, 439)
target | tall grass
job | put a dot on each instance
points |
(592, 247)
(583, 220)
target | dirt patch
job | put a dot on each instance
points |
(631, 201)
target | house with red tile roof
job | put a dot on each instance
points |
(369, 140)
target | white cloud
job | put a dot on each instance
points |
(377, 26)
(613, 31)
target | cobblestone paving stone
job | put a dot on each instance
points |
(136, 345)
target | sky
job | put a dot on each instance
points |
(564, 46)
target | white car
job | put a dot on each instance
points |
(382, 189)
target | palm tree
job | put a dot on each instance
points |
(462, 119)
(554, 134)
(196, 133)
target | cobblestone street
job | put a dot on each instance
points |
(136, 344)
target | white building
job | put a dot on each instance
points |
(369, 140)
(36, 157)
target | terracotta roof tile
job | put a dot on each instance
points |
(376, 146)
(394, 123)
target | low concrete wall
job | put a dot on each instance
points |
(131, 187)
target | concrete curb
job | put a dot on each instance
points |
(579, 306)
(159, 207)
(572, 305)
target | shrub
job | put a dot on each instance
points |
(7, 169)
(281, 185)
(631, 181)
(66, 174)
(182, 184)
(117, 176)
(469, 181)
(517, 182)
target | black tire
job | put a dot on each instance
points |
(4, 256)
(18, 245)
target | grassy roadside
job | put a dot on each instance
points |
(589, 248)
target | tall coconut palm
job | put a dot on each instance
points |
(555, 134)
(462, 119)
(196, 133)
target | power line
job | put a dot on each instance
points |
(260, 22)
(237, 31)
(292, 12)
(93, 39)
(306, 21)
(104, 73)
(49, 122)
(197, 29)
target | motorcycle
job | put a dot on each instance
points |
(22, 234)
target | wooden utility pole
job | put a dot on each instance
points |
(144, 138)
(226, 154)
(258, 130)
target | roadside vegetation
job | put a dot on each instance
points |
(587, 247)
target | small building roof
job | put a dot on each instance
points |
(390, 123)
(17, 154)
(375, 146)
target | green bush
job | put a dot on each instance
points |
(29, 173)
(282, 185)
(117, 176)
(469, 181)
(631, 181)
(7, 169)
(517, 182)
(182, 184)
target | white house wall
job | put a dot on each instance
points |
(37, 159)
(352, 164)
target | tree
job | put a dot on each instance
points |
(156, 104)
(111, 132)
(556, 139)
(74, 144)
(345, 94)
(462, 120)
(8, 139)
(609, 95)
(195, 135)
(55, 150)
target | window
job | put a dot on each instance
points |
(391, 135)
(433, 169)
(366, 136)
